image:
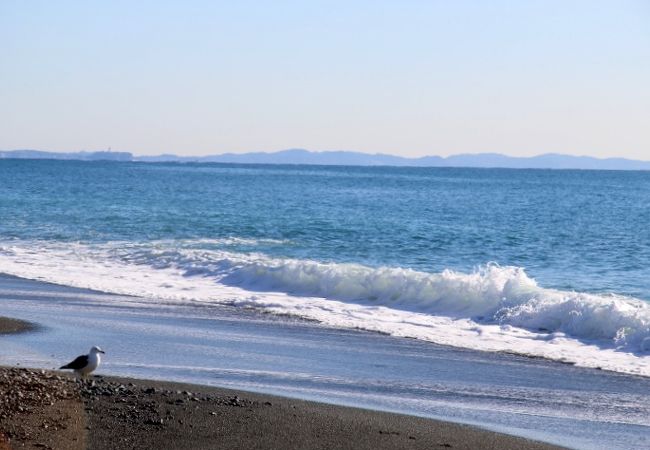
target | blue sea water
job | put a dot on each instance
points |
(546, 263)
(581, 230)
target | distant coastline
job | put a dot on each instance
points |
(351, 158)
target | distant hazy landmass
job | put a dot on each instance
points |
(349, 158)
(81, 156)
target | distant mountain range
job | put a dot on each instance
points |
(80, 156)
(348, 158)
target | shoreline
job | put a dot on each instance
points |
(10, 325)
(251, 352)
(120, 413)
(85, 417)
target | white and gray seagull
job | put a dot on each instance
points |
(84, 364)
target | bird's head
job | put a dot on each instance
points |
(96, 349)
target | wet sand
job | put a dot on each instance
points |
(8, 325)
(44, 409)
(50, 410)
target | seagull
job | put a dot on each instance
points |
(84, 364)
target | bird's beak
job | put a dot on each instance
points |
(102, 351)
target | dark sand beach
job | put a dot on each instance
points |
(8, 325)
(46, 409)
(42, 409)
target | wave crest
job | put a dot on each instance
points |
(491, 294)
(504, 295)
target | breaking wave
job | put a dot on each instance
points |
(491, 295)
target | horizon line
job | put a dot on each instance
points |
(272, 152)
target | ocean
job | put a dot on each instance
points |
(545, 263)
(503, 272)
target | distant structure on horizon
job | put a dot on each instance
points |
(80, 156)
(349, 158)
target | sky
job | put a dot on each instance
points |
(408, 77)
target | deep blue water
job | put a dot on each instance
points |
(575, 230)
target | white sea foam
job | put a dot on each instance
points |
(493, 308)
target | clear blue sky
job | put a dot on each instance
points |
(403, 77)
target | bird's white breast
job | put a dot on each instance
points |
(93, 363)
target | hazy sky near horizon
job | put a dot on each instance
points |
(409, 78)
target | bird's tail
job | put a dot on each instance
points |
(67, 366)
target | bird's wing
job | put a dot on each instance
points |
(79, 363)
